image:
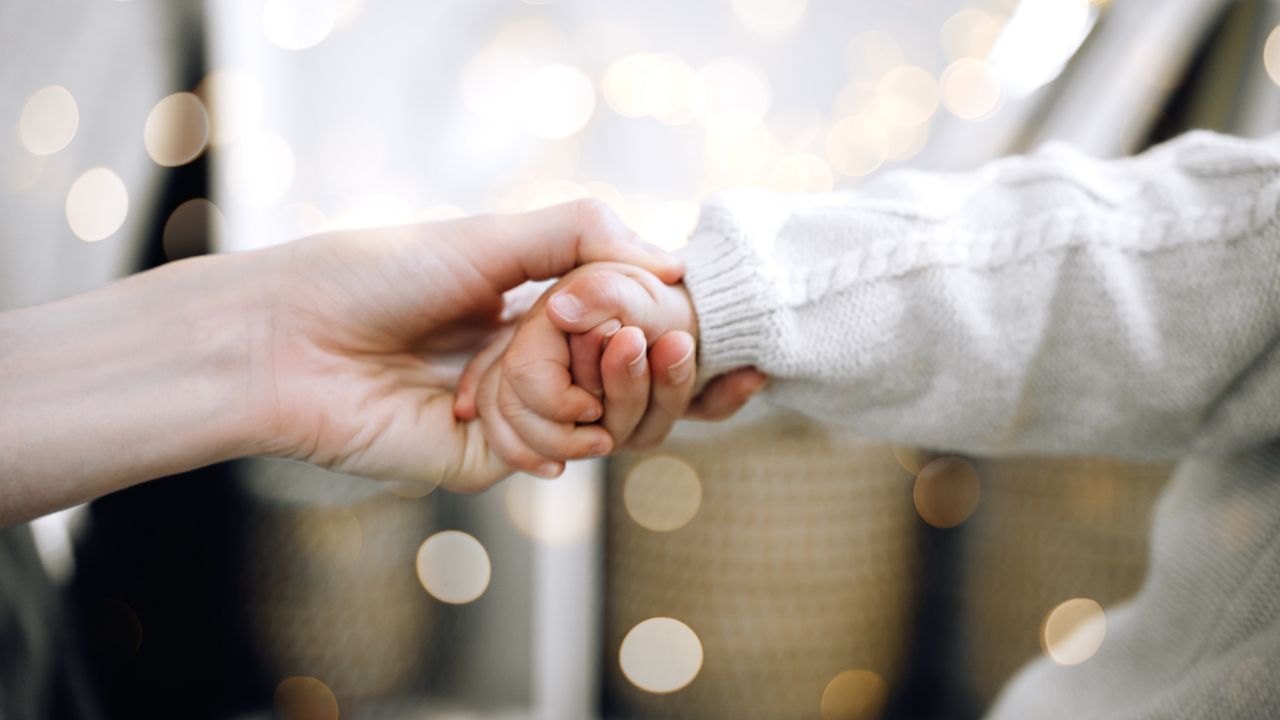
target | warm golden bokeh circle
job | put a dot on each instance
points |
(177, 130)
(1073, 631)
(49, 120)
(947, 491)
(453, 566)
(661, 655)
(662, 493)
(195, 227)
(854, 695)
(97, 205)
(305, 698)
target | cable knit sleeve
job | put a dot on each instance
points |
(1051, 303)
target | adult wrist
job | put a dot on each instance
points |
(234, 312)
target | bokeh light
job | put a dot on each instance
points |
(97, 204)
(298, 24)
(857, 145)
(912, 459)
(177, 130)
(233, 101)
(1073, 631)
(802, 172)
(329, 533)
(1254, 684)
(453, 566)
(49, 120)
(872, 54)
(796, 128)
(740, 156)
(854, 695)
(1271, 55)
(905, 142)
(552, 513)
(970, 33)
(947, 491)
(906, 96)
(261, 166)
(662, 493)
(660, 85)
(970, 88)
(660, 655)
(557, 101)
(735, 96)
(193, 228)
(305, 698)
(770, 17)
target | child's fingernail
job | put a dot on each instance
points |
(636, 366)
(591, 414)
(566, 306)
(681, 369)
(609, 328)
(600, 449)
(548, 471)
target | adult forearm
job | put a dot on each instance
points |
(143, 378)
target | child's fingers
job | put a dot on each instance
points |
(625, 369)
(503, 439)
(725, 395)
(584, 301)
(671, 363)
(584, 356)
(464, 403)
(536, 365)
(557, 441)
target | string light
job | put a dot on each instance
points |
(49, 120)
(305, 698)
(770, 17)
(97, 205)
(1271, 55)
(854, 695)
(662, 493)
(857, 145)
(660, 655)
(453, 566)
(970, 88)
(1073, 631)
(946, 492)
(177, 130)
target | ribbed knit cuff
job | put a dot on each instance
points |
(734, 300)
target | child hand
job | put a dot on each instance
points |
(532, 408)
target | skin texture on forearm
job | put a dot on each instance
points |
(139, 379)
(337, 350)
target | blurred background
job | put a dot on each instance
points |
(764, 568)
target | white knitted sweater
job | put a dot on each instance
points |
(1052, 304)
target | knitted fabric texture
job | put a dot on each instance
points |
(1061, 305)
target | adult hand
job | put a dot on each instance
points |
(333, 350)
(359, 362)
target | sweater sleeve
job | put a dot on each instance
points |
(1051, 303)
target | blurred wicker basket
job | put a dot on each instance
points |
(800, 564)
(1047, 530)
(332, 590)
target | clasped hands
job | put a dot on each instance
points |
(363, 375)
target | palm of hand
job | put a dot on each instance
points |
(364, 358)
